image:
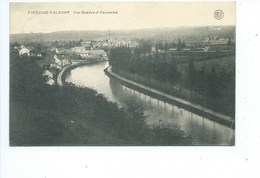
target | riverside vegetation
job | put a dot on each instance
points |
(43, 115)
(205, 78)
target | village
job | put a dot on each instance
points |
(52, 58)
(55, 55)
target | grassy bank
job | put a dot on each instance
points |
(42, 115)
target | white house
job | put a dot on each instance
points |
(94, 54)
(55, 66)
(24, 51)
(78, 49)
(50, 81)
(132, 44)
(99, 53)
(57, 60)
(48, 77)
(65, 62)
(47, 73)
(84, 54)
(86, 43)
(153, 49)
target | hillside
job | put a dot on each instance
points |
(165, 33)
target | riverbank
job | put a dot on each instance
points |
(50, 115)
(62, 74)
(202, 111)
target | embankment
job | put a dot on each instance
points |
(197, 109)
(62, 75)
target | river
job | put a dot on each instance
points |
(202, 130)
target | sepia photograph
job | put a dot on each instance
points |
(122, 74)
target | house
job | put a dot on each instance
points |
(222, 45)
(86, 43)
(60, 51)
(57, 60)
(50, 81)
(64, 62)
(47, 73)
(36, 53)
(132, 44)
(55, 66)
(97, 53)
(84, 54)
(78, 49)
(24, 51)
(153, 49)
(48, 77)
(105, 44)
(217, 42)
(173, 49)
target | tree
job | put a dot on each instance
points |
(166, 46)
(160, 45)
(173, 45)
(229, 41)
(191, 75)
(179, 45)
(174, 74)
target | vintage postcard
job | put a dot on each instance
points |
(122, 74)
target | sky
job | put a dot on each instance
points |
(125, 16)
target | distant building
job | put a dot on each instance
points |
(185, 49)
(78, 49)
(48, 77)
(94, 54)
(132, 44)
(105, 44)
(57, 60)
(173, 49)
(64, 62)
(62, 51)
(50, 81)
(36, 53)
(153, 49)
(224, 45)
(85, 43)
(216, 42)
(55, 66)
(97, 52)
(47, 73)
(84, 54)
(57, 51)
(206, 48)
(24, 51)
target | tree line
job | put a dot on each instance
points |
(212, 88)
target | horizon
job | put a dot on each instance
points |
(126, 30)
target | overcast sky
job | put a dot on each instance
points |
(130, 16)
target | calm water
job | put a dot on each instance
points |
(202, 130)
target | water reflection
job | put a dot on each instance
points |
(202, 130)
